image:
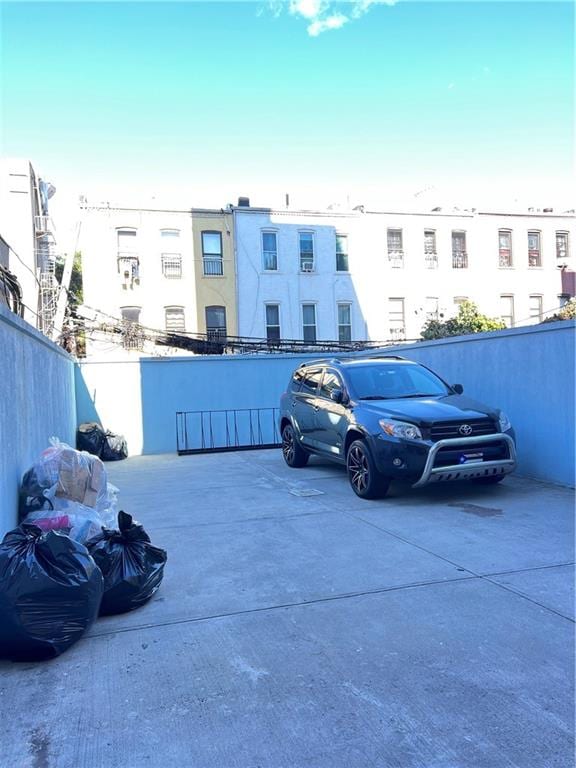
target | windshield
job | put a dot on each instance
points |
(383, 381)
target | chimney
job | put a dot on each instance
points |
(243, 202)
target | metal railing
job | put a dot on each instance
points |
(396, 258)
(459, 260)
(235, 429)
(212, 266)
(431, 260)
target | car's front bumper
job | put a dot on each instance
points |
(469, 469)
(423, 462)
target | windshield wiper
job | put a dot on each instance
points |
(422, 394)
(375, 397)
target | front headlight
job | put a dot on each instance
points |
(400, 429)
(504, 422)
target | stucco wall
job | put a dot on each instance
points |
(37, 400)
(529, 373)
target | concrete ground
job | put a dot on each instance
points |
(299, 626)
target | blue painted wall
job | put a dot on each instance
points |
(37, 401)
(528, 372)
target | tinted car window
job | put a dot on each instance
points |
(311, 381)
(297, 380)
(330, 382)
(389, 380)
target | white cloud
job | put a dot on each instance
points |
(335, 21)
(325, 15)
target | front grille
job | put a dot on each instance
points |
(491, 451)
(451, 429)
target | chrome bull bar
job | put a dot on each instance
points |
(470, 469)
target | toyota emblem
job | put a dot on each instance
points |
(465, 430)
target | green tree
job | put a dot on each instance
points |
(74, 341)
(468, 320)
(568, 312)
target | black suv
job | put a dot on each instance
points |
(388, 418)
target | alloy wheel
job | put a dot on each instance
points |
(358, 469)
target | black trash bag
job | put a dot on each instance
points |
(90, 437)
(114, 448)
(50, 593)
(132, 567)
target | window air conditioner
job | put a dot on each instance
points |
(307, 266)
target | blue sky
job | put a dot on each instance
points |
(237, 98)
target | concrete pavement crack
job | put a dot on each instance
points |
(484, 577)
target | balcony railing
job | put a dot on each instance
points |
(213, 266)
(43, 224)
(216, 334)
(396, 258)
(431, 260)
(459, 260)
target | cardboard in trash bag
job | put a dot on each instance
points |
(50, 593)
(132, 567)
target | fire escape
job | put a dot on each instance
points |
(45, 253)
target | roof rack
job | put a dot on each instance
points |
(320, 361)
(386, 357)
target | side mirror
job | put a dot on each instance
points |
(458, 388)
(337, 395)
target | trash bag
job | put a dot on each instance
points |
(66, 482)
(70, 474)
(115, 447)
(50, 593)
(90, 437)
(132, 567)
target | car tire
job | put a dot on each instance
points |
(366, 481)
(294, 455)
(490, 480)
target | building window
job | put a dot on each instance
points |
(396, 319)
(127, 240)
(132, 333)
(169, 234)
(431, 308)
(535, 306)
(306, 252)
(269, 251)
(309, 322)
(534, 252)
(341, 253)
(459, 254)
(212, 253)
(430, 253)
(563, 299)
(504, 248)
(174, 318)
(344, 322)
(395, 250)
(216, 323)
(172, 265)
(127, 256)
(273, 322)
(507, 310)
(562, 245)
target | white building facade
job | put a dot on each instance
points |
(137, 267)
(381, 275)
(28, 232)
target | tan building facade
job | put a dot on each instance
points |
(215, 272)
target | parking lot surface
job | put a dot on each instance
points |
(298, 625)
